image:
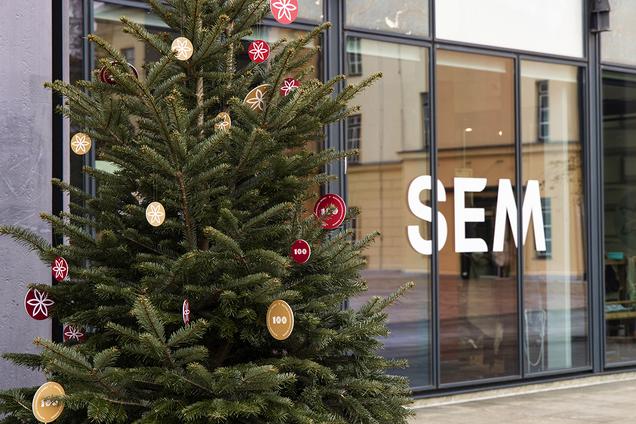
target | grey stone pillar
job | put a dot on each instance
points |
(25, 171)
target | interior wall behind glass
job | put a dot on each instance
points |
(619, 156)
(545, 26)
(391, 134)
(554, 280)
(619, 44)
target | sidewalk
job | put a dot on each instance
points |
(607, 403)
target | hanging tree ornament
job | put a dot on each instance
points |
(37, 304)
(182, 48)
(225, 122)
(289, 85)
(258, 51)
(255, 99)
(284, 11)
(81, 143)
(107, 77)
(185, 312)
(331, 211)
(72, 333)
(280, 320)
(59, 268)
(300, 251)
(155, 214)
(44, 409)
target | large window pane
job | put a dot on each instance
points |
(618, 45)
(478, 291)
(391, 133)
(403, 16)
(310, 9)
(619, 138)
(555, 286)
(546, 26)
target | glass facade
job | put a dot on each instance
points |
(511, 260)
(390, 132)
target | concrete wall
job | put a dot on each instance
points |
(25, 170)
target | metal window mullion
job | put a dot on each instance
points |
(434, 278)
(519, 196)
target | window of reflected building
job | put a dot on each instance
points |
(391, 136)
(409, 17)
(555, 285)
(478, 291)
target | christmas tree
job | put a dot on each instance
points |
(171, 321)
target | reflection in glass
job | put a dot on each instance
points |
(391, 135)
(310, 9)
(617, 45)
(619, 139)
(555, 286)
(478, 291)
(403, 16)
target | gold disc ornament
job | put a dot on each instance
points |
(225, 122)
(81, 143)
(155, 214)
(46, 410)
(280, 320)
(255, 99)
(182, 48)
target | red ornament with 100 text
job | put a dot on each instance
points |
(331, 211)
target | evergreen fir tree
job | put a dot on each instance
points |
(235, 201)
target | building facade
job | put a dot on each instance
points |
(484, 108)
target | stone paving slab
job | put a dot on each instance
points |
(607, 403)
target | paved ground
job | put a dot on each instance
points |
(610, 403)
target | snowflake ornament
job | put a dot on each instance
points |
(289, 85)
(258, 51)
(182, 48)
(59, 268)
(73, 333)
(81, 143)
(255, 99)
(284, 11)
(155, 214)
(37, 304)
(185, 312)
(225, 122)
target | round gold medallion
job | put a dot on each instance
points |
(182, 48)
(47, 411)
(280, 320)
(225, 122)
(255, 99)
(81, 143)
(155, 214)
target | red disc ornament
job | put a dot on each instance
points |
(289, 85)
(71, 333)
(107, 78)
(284, 11)
(300, 251)
(185, 312)
(37, 304)
(331, 211)
(258, 51)
(59, 268)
